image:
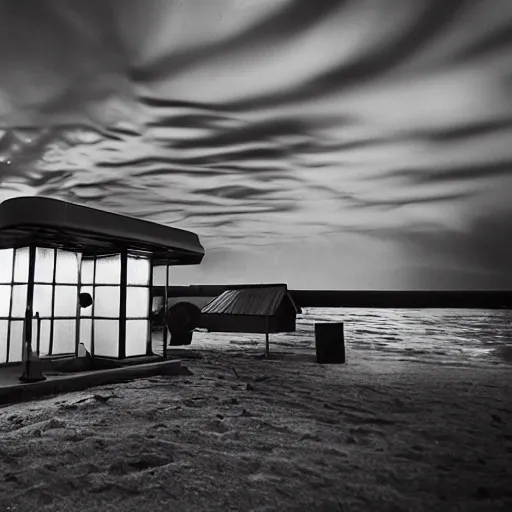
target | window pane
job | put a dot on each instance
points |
(86, 312)
(19, 300)
(6, 260)
(106, 338)
(16, 341)
(21, 265)
(3, 340)
(44, 337)
(137, 302)
(108, 270)
(85, 333)
(136, 337)
(158, 274)
(5, 299)
(106, 301)
(65, 301)
(138, 270)
(64, 336)
(44, 265)
(87, 271)
(42, 299)
(67, 267)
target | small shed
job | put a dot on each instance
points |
(267, 308)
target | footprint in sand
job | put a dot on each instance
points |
(265, 477)
(143, 463)
(217, 426)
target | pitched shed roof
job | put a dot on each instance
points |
(51, 222)
(260, 301)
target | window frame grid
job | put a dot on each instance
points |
(149, 339)
(122, 318)
(8, 344)
(166, 298)
(50, 345)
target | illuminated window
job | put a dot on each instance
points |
(136, 337)
(66, 298)
(107, 301)
(106, 338)
(43, 270)
(42, 302)
(138, 270)
(68, 264)
(6, 261)
(4, 324)
(21, 265)
(15, 344)
(5, 299)
(87, 272)
(19, 300)
(108, 270)
(64, 336)
(137, 300)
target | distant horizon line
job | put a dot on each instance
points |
(417, 299)
(339, 290)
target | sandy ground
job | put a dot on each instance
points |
(247, 434)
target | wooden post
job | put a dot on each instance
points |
(30, 288)
(149, 346)
(93, 341)
(52, 318)
(38, 340)
(267, 343)
(32, 368)
(78, 308)
(10, 308)
(122, 304)
(164, 323)
(27, 336)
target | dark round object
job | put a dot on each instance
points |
(85, 300)
(182, 317)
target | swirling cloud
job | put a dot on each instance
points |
(288, 132)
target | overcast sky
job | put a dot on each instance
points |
(360, 144)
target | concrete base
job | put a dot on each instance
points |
(12, 391)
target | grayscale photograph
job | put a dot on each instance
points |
(256, 255)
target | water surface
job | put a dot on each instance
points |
(444, 336)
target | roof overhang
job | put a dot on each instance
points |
(251, 300)
(46, 222)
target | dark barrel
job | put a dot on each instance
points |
(181, 338)
(181, 319)
(330, 343)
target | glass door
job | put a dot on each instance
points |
(99, 323)
(56, 276)
(138, 292)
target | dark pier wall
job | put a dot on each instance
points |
(367, 299)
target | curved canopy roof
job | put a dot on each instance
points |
(47, 222)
